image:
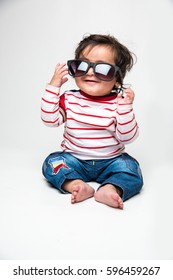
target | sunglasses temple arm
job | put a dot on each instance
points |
(121, 77)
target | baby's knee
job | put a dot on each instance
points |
(54, 165)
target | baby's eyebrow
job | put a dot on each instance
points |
(84, 58)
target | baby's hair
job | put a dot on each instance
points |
(123, 57)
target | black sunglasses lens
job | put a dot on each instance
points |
(77, 68)
(105, 72)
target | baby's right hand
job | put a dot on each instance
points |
(59, 78)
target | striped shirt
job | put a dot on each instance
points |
(95, 127)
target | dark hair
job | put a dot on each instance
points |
(123, 57)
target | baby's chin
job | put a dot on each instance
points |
(95, 93)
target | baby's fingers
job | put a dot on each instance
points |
(125, 97)
(129, 94)
(60, 68)
(59, 78)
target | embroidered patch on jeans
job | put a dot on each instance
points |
(57, 164)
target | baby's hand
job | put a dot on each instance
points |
(59, 78)
(126, 97)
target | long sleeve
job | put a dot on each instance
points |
(127, 127)
(52, 111)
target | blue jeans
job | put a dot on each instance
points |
(122, 171)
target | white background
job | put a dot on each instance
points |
(34, 36)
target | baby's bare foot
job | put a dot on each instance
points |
(81, 191)
(108, 195)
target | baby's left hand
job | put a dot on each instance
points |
(127, 97)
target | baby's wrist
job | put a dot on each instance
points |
(54, 82)
(53, 88)
(54, 85)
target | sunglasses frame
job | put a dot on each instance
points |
(92, 65)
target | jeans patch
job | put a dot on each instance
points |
(56, 164)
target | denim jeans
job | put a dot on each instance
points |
(122, 171)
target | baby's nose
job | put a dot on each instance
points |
(90, 71)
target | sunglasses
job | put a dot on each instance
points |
(103, 71)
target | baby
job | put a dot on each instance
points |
(99, 121)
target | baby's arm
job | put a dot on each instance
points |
(127, 127)
(52, 105)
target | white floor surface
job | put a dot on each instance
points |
(37, 222)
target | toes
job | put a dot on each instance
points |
(120, 202)
(73, 200)
(74, 194)
(121, 205)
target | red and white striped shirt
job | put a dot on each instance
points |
(95, 127)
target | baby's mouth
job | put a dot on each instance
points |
(90, 81)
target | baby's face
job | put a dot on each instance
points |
(89, 83)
